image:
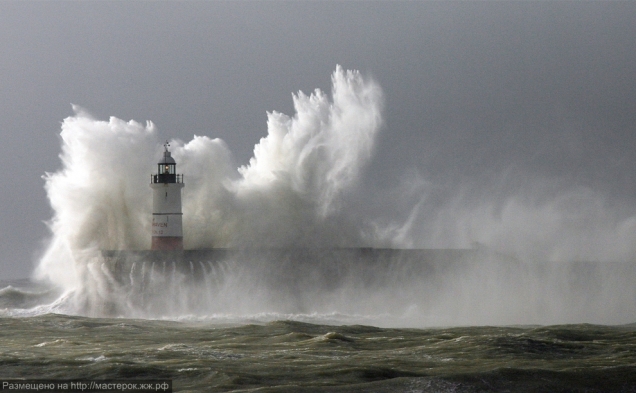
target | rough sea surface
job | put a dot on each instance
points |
(295, 356)
(216, 355)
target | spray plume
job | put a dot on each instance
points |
(290, 193)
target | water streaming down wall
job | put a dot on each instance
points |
(294, 280)
(386, 286)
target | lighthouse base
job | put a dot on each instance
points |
(172, 243)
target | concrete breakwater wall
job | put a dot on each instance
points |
(321, 265)
(471, 286)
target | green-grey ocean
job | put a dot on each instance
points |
(330, 324)
(291, 356)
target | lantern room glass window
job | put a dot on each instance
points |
(166, 169)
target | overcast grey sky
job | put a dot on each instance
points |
(477, 94)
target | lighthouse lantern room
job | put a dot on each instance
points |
(167, 231)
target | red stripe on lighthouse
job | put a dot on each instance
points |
(167, 243)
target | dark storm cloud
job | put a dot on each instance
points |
(476, 93)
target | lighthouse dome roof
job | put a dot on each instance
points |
(167, 158)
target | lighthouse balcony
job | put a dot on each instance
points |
(166, 178)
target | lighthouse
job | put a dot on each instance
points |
(167, 231)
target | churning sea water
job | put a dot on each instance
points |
(310, 352)
(295, 356)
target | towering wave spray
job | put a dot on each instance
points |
(99, 198)
(290, 193)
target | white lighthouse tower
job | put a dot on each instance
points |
(167, 231)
